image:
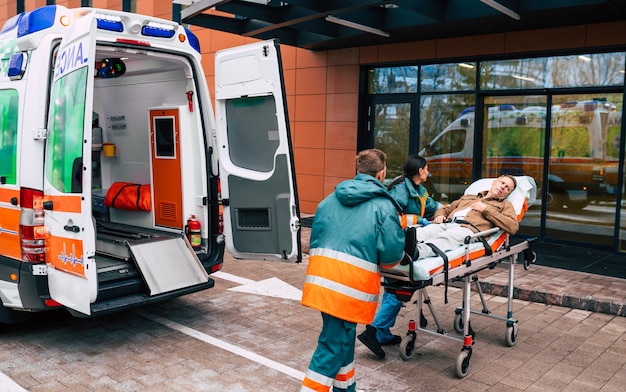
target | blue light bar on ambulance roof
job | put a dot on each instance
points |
(109, 22)
(36, 20)
(193, 40)
(153, 29)
(11, 23)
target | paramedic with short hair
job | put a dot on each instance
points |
(417, 207)
(466, 216)
(356, 229)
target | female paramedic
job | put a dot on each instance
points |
(418, 207)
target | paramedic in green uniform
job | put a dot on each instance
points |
(355, 231)
(418, 207)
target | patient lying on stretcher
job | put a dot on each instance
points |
(470, 214)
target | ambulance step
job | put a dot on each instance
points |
(167, 264)
(114, 269)
(112, 305)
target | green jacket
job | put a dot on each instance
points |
(414, 201)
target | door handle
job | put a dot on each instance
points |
(73, 229)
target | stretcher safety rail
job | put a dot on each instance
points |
(482, 250)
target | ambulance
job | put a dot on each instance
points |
(119, 185)
(514, 144)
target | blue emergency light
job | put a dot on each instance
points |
(104, 23)
(36, 20)
(193, 40)
(158, 30)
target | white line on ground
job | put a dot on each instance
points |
(8, 385)
(225, 346)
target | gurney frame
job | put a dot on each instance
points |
(405, 286)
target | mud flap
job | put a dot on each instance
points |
(168, 264)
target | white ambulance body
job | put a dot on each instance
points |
(514, 145)
(97, 101)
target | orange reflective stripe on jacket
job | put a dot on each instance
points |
(341, 285)
(408, 220)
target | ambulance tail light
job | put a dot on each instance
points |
(32, 232)
(132, 42)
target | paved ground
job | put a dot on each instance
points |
(229, 339)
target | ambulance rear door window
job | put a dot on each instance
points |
(8, 136)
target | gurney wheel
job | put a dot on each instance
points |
(463, 363)
(407, 345)
(511, 335)
(458, 322)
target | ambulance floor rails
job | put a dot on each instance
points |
(483, 250)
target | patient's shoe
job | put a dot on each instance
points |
(368, 338)
(410, 242)
(395, 340)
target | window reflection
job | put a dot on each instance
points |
(448, 77)
(393, 80)
(599, 69)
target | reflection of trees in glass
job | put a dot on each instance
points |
(393, 80)
(447, 77)
(391, 130)
(439, 111)
(514, 141)
(600, 69)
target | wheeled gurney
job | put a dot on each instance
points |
(481, 251)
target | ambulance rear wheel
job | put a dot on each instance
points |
(407, 345)
(462, 363)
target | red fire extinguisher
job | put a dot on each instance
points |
(193, 230)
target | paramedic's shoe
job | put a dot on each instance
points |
(396, 340)
(368, 338)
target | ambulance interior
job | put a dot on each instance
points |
(147, 132)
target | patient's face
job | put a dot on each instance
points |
(501, 188)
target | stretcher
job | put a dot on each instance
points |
(480, 251)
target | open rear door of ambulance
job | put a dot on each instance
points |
(70, 239)
(259, 196)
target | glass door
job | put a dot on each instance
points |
(513, 142)
(390, 126)
(570, 145)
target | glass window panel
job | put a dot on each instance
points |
(65, 139)
(446, 141)
(390, 80)
(391, 134)
(600, 69)
(448, 77)
(8, 135)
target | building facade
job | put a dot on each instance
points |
(408, 98)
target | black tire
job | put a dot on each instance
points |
(407, 345)
(462, 364)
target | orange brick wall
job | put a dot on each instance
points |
(322, 87)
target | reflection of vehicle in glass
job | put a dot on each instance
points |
(514, 144)
(119, 187)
